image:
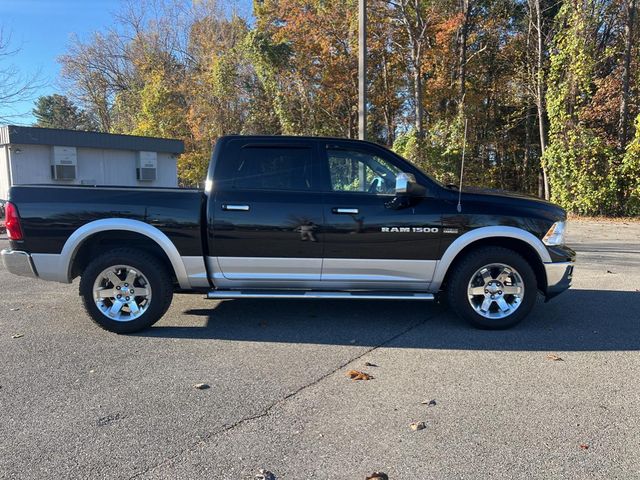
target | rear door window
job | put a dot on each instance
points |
(259, 167)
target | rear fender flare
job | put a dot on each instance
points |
(77, 238)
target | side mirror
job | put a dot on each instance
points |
(406, 185)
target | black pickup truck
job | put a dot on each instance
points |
(292, 217)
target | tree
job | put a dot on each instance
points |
(540, 25)
(218, 89)
(413, 16)
(57, 111)
(583, 166)
(386, 71)
(629, 23)
(542, 83)
(630, 169)
(463, 36)
(97, 72)
(306, 54)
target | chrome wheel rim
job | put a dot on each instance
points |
(122, 293)
(495, 291)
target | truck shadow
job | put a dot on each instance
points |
(578, 320)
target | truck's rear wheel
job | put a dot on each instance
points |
(126, 290)
(492, 288)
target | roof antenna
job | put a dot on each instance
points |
(464, 147)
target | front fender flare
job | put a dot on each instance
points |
(483, 233)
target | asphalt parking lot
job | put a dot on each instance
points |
(79, 402)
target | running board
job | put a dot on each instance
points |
(228, 294)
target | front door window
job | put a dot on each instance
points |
(354, 171)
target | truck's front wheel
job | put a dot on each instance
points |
(492, 288)
(126, 290)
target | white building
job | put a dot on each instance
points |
(30, 155)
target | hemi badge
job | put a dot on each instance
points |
(450, 230)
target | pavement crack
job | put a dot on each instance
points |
(265, 412)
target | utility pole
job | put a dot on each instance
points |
(362, 69)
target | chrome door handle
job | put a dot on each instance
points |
(348, 211)
(235, 208)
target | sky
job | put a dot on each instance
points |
(42, 31)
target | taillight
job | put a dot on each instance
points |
(12, 222)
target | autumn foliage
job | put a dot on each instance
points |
(549, 89)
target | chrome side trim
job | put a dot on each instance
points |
(18, 263)
(267, 268)
(60, 269)
(376, 270)
(556, 272)
(228, 294)
(337, 273)
(196, 271)
(479, 234)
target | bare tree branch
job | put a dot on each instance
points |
(15, 87)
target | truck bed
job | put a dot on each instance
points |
(51, 213)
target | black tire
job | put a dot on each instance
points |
(464, 270)
(155, 272)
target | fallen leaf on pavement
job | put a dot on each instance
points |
(554, 357)
(17, 335)
(356, 375)
(368, 364)
(584, 446)
(201, 386)
(415, 426)
(429, 403)
(377, 476)
(265, 475)
(109, 419)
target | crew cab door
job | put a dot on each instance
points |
(369, 243)
(264, 225)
